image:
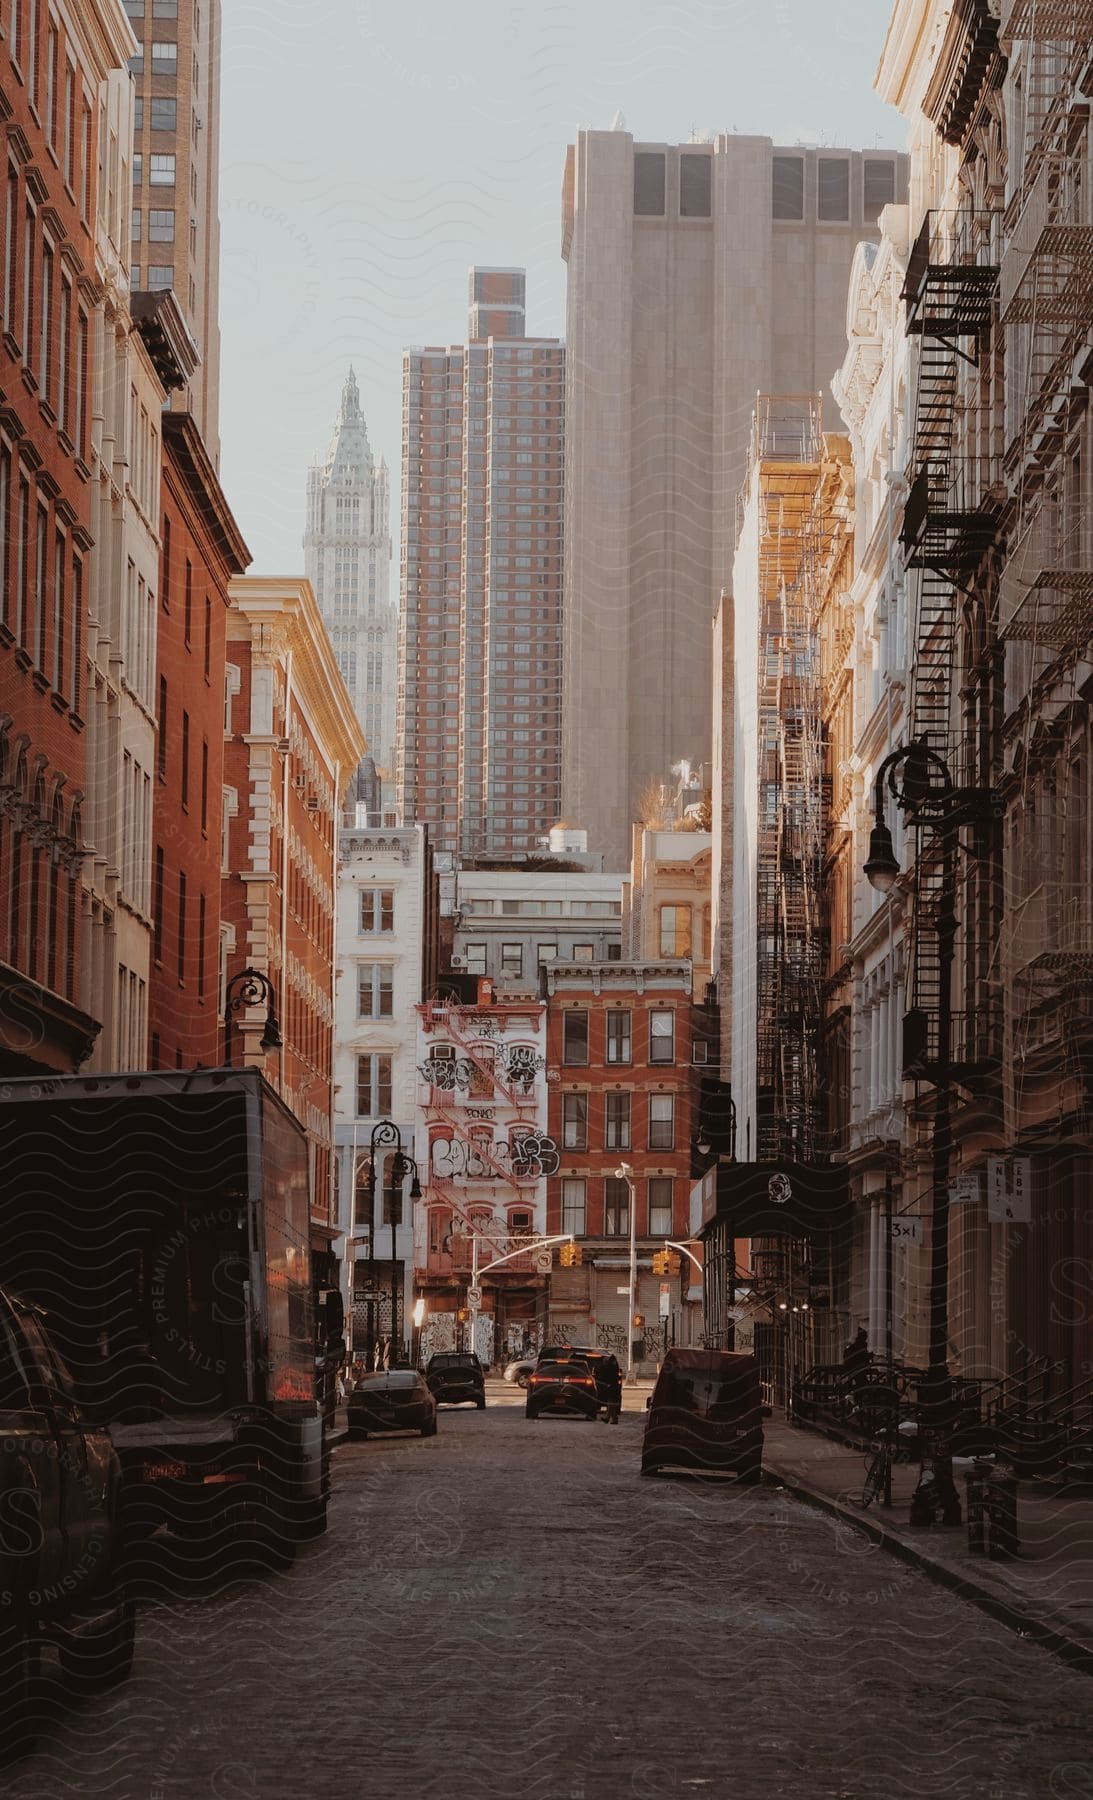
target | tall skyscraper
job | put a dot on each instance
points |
(479, 720)
(699, 274)
(347, 559)
(176, 174)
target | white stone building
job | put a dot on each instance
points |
(347, 559)
(123, 608)
(508, 924)
(485, 1157)
(385, 923)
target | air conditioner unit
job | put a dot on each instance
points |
(700, 1052)
(284, 745)
(459, 962)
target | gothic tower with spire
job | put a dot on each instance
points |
(347, 558)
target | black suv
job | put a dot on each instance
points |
(455, 1376)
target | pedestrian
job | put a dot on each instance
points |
(609, 1386)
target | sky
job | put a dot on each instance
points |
(372, 150)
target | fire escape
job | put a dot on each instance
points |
(1046, 595)
(949, 524)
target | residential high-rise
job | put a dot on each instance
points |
(479, 715)
(176, 171)
(347, 559)
(699, 274)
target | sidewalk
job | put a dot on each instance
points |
(1046, 1593)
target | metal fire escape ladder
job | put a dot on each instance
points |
(946, 532)
(467, 1135)
(487, 1069)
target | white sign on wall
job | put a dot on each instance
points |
(907, 1228)
(1009, 1190)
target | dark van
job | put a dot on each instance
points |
(705, 1413)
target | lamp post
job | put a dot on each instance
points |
(384, 1135)
(944, 808)
(249, 988)
(625, 1173)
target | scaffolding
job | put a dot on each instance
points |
(787, 451)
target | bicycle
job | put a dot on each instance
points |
(878, 1473)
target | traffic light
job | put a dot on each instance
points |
(570, 1256)
(463, 1315)
(674, 1262)
(660, 1262)
(639, 1321)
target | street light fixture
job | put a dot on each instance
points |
(624, 1172)
(943, 808)
(249, 988)
(384, 1135)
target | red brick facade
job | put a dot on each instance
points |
(201, 551)
(619, 1061)
(49, 85)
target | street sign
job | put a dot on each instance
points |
(544, 1261)
(907, 1228)
(622, 1290)
(1009, 1191)
(474, 1296)
(964, 1190)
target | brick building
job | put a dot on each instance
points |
(53, 74)
(619, 1042)
(201, 551)
(292, 745)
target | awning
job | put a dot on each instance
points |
(777, 1199)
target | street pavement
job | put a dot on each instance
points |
(507, 1610)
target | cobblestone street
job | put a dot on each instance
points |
(507, 1609)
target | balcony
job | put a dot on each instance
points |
(938, 533)
(1046, 592)
(1047, 270)
(948, 290)
(960, 69)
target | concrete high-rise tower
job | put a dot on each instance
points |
(479, 717)
(176, 177)
(347, 559)
(699, 275)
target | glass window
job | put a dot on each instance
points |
(788, 187)
(649, 183)
(584, 952)
(377, 909)
(880, 186)
(695, 185)
(660, 1206)
(163, 113)
(512, 959)
(375, 985)
(616, 1134)
(616, 1207)
(475, 955)
(618, 1037)
(833, 188)
(373, 1086)
(575, 1037)
(573, 1205)
(575, 1121)
(546, 952)
(164, 58)
(161, 225)
(138, 114)
(662, 1037)
(138, 169)
(162, 171)
(662, 1121)
(165, 9)
(675, 931)
(160, 275)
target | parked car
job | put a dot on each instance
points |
(705, 1413)
(455, 1377)
(61, 1574)
(562, 1387)
(603, 1364)
(520, 1369)
(391, 1400)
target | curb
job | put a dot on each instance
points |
(1025, 1624)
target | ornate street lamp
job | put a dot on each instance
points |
(384, 1135)
(249, 988)
(941, 808)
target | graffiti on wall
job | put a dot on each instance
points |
(515, 1064)
(525, 1157)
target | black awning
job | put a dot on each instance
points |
(778, 1199)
